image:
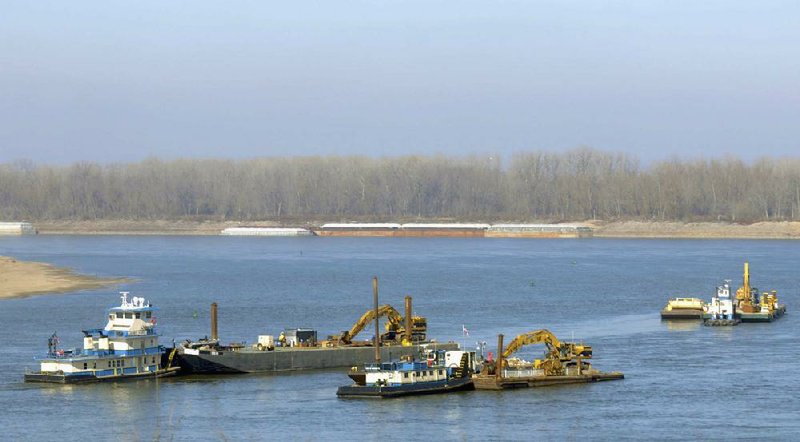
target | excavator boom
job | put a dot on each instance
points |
(530, 338)
(369, 316)
(558, 353)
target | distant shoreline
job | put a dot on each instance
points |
(615, 229)
(21, 279)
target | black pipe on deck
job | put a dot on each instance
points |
(214, 336)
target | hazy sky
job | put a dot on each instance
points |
(120, 81)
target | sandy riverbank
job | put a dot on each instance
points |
(615, 229)
(663, 229)
(19, 279)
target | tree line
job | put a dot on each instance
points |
(576, 185)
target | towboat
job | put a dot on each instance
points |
(442, 371)
(127, 348)
(721, 310)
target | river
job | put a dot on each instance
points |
(682, 381)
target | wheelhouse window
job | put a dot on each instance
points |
(119, 315)
(405, 375)
(137, 315)
(128, 315)
(148, 315)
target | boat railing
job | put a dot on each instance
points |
(64, 354)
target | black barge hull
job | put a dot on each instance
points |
(291, 359)
(53, 378)
(681, 314)
(490, 382)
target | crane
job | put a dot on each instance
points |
(394, 325)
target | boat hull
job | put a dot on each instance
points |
(55, 378)
(435, 387)
(681, 314)
(292, 359)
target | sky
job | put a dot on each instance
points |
(120, 81)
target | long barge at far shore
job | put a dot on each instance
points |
(454, 230)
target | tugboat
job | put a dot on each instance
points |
(443, 371)
(721, 309)
(127, 348)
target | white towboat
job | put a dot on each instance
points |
(126, 348)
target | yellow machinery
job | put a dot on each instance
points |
(558, 354)
(395, 328)
(747, 297)
(744, 295)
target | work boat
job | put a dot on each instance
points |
(127, 348)
(441, 372)
(721, 310)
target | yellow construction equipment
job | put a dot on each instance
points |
(395, 328)
(745, 295)
(558, 354)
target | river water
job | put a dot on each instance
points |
(682, 381)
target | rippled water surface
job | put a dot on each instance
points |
(682, 380)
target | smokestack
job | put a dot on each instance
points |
(409, 323)
(214, 336)
(377, 322)
(498, 371)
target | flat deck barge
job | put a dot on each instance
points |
(762, 316)
(283, 359)
(490, 382)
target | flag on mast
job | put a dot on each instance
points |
(464, 330)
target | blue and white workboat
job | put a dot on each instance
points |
(127, 348)
(442, 372)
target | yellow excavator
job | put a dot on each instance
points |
(395, 328)
(557, 357)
